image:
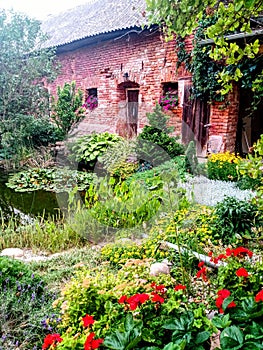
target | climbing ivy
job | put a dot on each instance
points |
(184, 16)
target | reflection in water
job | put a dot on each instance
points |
(26, 204)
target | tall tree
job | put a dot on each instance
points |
(23, 68)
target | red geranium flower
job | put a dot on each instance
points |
(259, 296)
(239, 251)
(88, 320)
(137, 300)
(157, 298)
(242, 272)
(179, 287)
(122, 299)
(161, 288)
(202, 273)
(201, 264)
(222, 295)
(92, 343)
(51, 339)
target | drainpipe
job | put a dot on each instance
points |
(201, 257)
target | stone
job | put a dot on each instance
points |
(13, 252)
(159, 268)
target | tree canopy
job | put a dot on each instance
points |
(24, 66)
(183, 17)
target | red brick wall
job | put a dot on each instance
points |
(223, 120)
(148, 60)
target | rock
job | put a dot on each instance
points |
(159, 268)
(13, 252)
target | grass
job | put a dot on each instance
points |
(58, 270)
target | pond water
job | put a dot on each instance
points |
(30, 204)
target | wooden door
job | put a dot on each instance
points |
(196, 115)
(132, 111)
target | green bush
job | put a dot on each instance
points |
(119, 205)
(66, 109)
(26, 131)
(237, 219)
(158, 119)
(120, 159)
(87, 149)
(157, 146)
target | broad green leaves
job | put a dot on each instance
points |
(181, 18)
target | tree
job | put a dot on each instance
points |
(238, 16)
(24, 66)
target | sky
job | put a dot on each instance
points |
(40, 9)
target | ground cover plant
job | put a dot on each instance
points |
(26, 302)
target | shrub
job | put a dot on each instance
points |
(67, 110)
(222, 166)
(120, 159)
(237, 219)
(88, 148)
(191, 158)
(158, 119)
(157, 146)
(250, 169)
(119, 205)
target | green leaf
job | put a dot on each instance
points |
(231, 338)
(221, 322)
(202, 337)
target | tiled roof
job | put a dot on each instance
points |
(93, 18)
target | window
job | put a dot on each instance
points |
(91, 101)
(169, 98)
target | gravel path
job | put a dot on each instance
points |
(210, 192)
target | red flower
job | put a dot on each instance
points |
(157, 298)
(161, 288)
(92, 343)
(137, 300)
(122, 299)
(202, 273)
(201, 264)
(88, 320)
(242, 272)
(179, 287)
(239, 251)
(51, 339)
(259, 296)
(222, 295)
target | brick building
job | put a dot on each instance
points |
(125, 67)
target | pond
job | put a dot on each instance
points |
(26, 204)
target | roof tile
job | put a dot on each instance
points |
(93, 18)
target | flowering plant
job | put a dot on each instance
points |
(168, 101)
(91, 102)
